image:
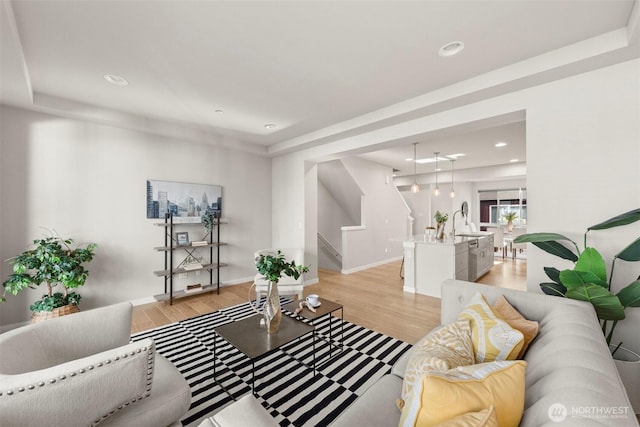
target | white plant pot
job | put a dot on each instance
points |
(628, 365)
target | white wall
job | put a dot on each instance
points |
(311, 218)
(87, 181)
(420, 205)
(385, 217)
(331, 218)
(583, 158)
(343, 189)
(425, 204)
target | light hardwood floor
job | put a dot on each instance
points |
(371, 298)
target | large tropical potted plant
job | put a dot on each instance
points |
(53, 261)
(272, 267)
(587, 280)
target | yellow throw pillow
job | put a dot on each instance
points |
(447, 348)
(485, 418)
(507, 312)
(493, 338)
(442, 396)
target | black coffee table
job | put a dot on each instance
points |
(254, 342)
(326, 308)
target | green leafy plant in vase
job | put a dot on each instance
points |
(441, 221)
(510, 217)
(587, 280)
(272, 267)
(53, 262)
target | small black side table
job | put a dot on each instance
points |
(326, 308)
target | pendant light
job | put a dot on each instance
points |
(437, 190)
(453, 193)
(415, 187)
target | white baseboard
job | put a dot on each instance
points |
(149, 300)
(237, 281)
(311, 282)
(375, 264)
(143, 301)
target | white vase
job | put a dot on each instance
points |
(628, 365)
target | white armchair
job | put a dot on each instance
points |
(286, 285)
(81, 369)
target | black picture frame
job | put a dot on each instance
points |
(182, 238)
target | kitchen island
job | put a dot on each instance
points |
(429, 262)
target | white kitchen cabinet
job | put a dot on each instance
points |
(429, 262)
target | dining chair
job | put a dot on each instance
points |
(498, 239)
(517, 247)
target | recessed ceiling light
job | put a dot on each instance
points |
(450, 49)
(501, 144)
(440, 158)
(116, 80)
(219, 112)
(269, 126)
(427, 160)
(409, 159)
(514, 160)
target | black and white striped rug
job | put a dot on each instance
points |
(284, 386)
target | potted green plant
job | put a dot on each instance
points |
(510, 217)
(209, 220)
(272, 267)
(441, 221)
(53, 262)
(587, 280)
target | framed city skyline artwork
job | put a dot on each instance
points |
(187, 202)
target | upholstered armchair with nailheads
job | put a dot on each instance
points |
(81, 370)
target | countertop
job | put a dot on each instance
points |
(447, 241)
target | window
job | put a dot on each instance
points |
(494, 204)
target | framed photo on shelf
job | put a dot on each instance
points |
(182, 238)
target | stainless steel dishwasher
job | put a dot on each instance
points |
(474, 254)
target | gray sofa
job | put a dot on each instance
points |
(568, 363)
(81, 369)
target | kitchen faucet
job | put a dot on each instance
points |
(464, 210)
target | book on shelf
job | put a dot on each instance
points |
(193, 288)
(192, 266)
(199, 243)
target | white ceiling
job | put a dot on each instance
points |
(478, 148)
(316, 69)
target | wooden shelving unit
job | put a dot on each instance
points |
(171, 269)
